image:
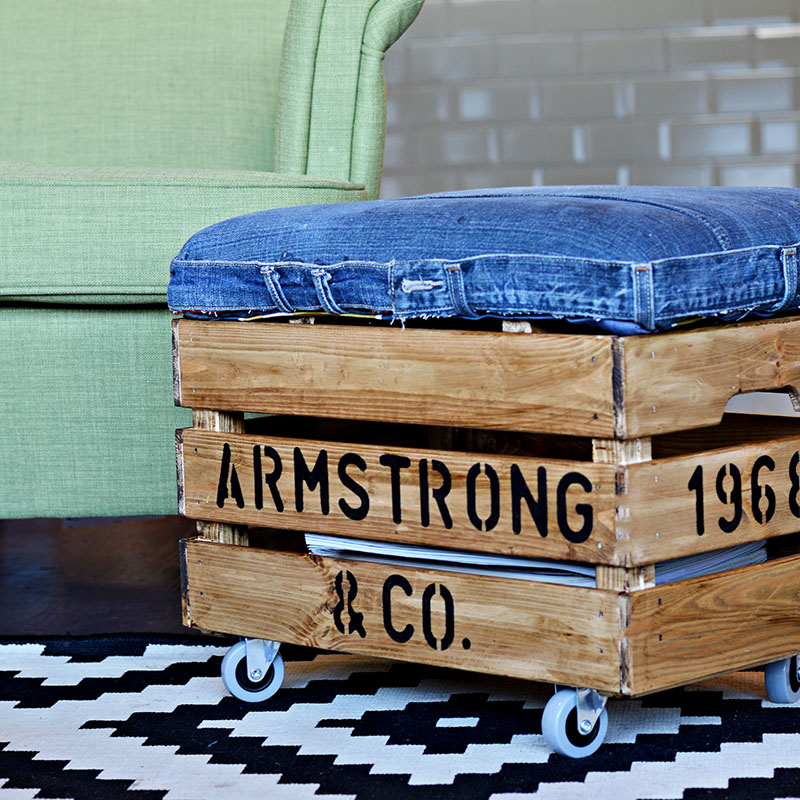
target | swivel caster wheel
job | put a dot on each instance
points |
(782, 680)
(264, 677)
(562, 731)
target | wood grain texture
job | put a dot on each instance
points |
(179, 460)
(209, 420)
(395, 504)
(694, 629)
(224, 422)
(176, 363)
(625, 579)
(621, 451)
(684, 379)
(660, 515)
(641, 513)
(540, 382)
(503, 626)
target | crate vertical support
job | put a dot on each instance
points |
(622, 452)
(222, 422)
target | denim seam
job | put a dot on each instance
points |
(789, 264)
(390, 287)
(322, 284)
(557, 260)
(719, 233)
(277, 264)
(213, 307)
(273, 285)
(643, 307)
(766, 249)
(526, 308)
(457, 292)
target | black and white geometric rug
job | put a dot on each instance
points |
(146, 719)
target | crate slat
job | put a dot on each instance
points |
(637, 514)
(684, 379)
(385, 499)
(504, 626)
(504, 381)
(693, 629)
(575, 384)
(705, 501)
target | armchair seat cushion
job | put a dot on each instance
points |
(629, 259)
(97, 235)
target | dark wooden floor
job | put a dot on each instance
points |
(84, 576)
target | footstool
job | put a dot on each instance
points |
(524, 373)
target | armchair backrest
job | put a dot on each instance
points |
(199, 83)
(167, 83)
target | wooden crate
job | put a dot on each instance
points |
(605, 450)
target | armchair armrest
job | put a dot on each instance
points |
(321, 128)
(107, 235)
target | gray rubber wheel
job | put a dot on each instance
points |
(238, 682)
(782, 680)
(560, 727)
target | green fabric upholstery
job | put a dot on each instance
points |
(128, 125)
(178, 83)
(332, 98)
(92, 419)
(111, 232)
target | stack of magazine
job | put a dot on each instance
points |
(568, 573)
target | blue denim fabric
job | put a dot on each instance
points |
(631, 259)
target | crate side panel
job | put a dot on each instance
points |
(560, 509)
(683, 380)
(709, 500)
(505, 381)
(503, 626)
(693, 629)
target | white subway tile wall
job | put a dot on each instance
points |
(544, 92)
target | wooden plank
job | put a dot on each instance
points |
(709, 500)
(176, 363)
(179, 461)
(541, 382)
(621, 451)
(207, 420)
(639, 514)
(684, 379)
(509, 627)
(625, 579)
(516, 505)
(685, 631)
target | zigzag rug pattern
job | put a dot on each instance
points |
(148, 719)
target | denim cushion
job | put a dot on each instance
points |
(630, 259)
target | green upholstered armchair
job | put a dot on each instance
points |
(126, 126)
